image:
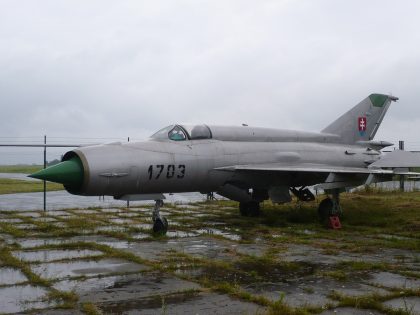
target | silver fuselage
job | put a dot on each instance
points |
(159, 166)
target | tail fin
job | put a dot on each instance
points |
(362, 121)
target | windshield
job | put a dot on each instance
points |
(162, 133)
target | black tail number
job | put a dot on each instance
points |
(155, 171)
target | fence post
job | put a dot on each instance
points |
(402, 178)
(45, 165)
(128, 201)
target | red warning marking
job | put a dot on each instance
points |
(334, 222)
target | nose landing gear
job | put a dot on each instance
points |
(160, 224)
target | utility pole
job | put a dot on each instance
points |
(402, 182)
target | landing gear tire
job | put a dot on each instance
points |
(325, 209)
(160, 226)
(249, 209)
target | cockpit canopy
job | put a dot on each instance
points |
(183, 132)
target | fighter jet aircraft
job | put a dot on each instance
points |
(242, 163)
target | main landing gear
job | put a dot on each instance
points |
(330, 207)
(160, 224)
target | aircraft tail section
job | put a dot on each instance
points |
(362, 121)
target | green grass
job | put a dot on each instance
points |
(373, 301)
(26, 169)
(7, 259)
(90, 309)
(372, 221)
(11, 229)
(13, 186)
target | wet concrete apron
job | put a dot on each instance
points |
(107, 260)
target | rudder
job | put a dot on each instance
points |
(362, 121)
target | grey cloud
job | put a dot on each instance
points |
(117, 69)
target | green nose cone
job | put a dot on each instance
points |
(68, 173)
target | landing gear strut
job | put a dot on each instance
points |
(160, 224)
(330, 207)
(249, 209)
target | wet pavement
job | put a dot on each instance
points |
(64, 200)
(212, 261)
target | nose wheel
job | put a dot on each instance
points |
(160, 224)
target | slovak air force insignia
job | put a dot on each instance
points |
(362, 125)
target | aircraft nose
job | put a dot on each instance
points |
(69, 172)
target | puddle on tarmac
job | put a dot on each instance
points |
(152, 293)
(85, 285)
(180, 234)
(143, 226)
(11, 276)
(79, 268)
(115, 244)
(409, 304)
(22, 297)
(213, 231)
(311, 290)
(35, 242)
(110, 228)
(100, 239)
(198, 246)
(179, 302)
(114, 288)
(202, 247)
(140, 236)
(54, 254)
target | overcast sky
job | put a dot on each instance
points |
(112, 69)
